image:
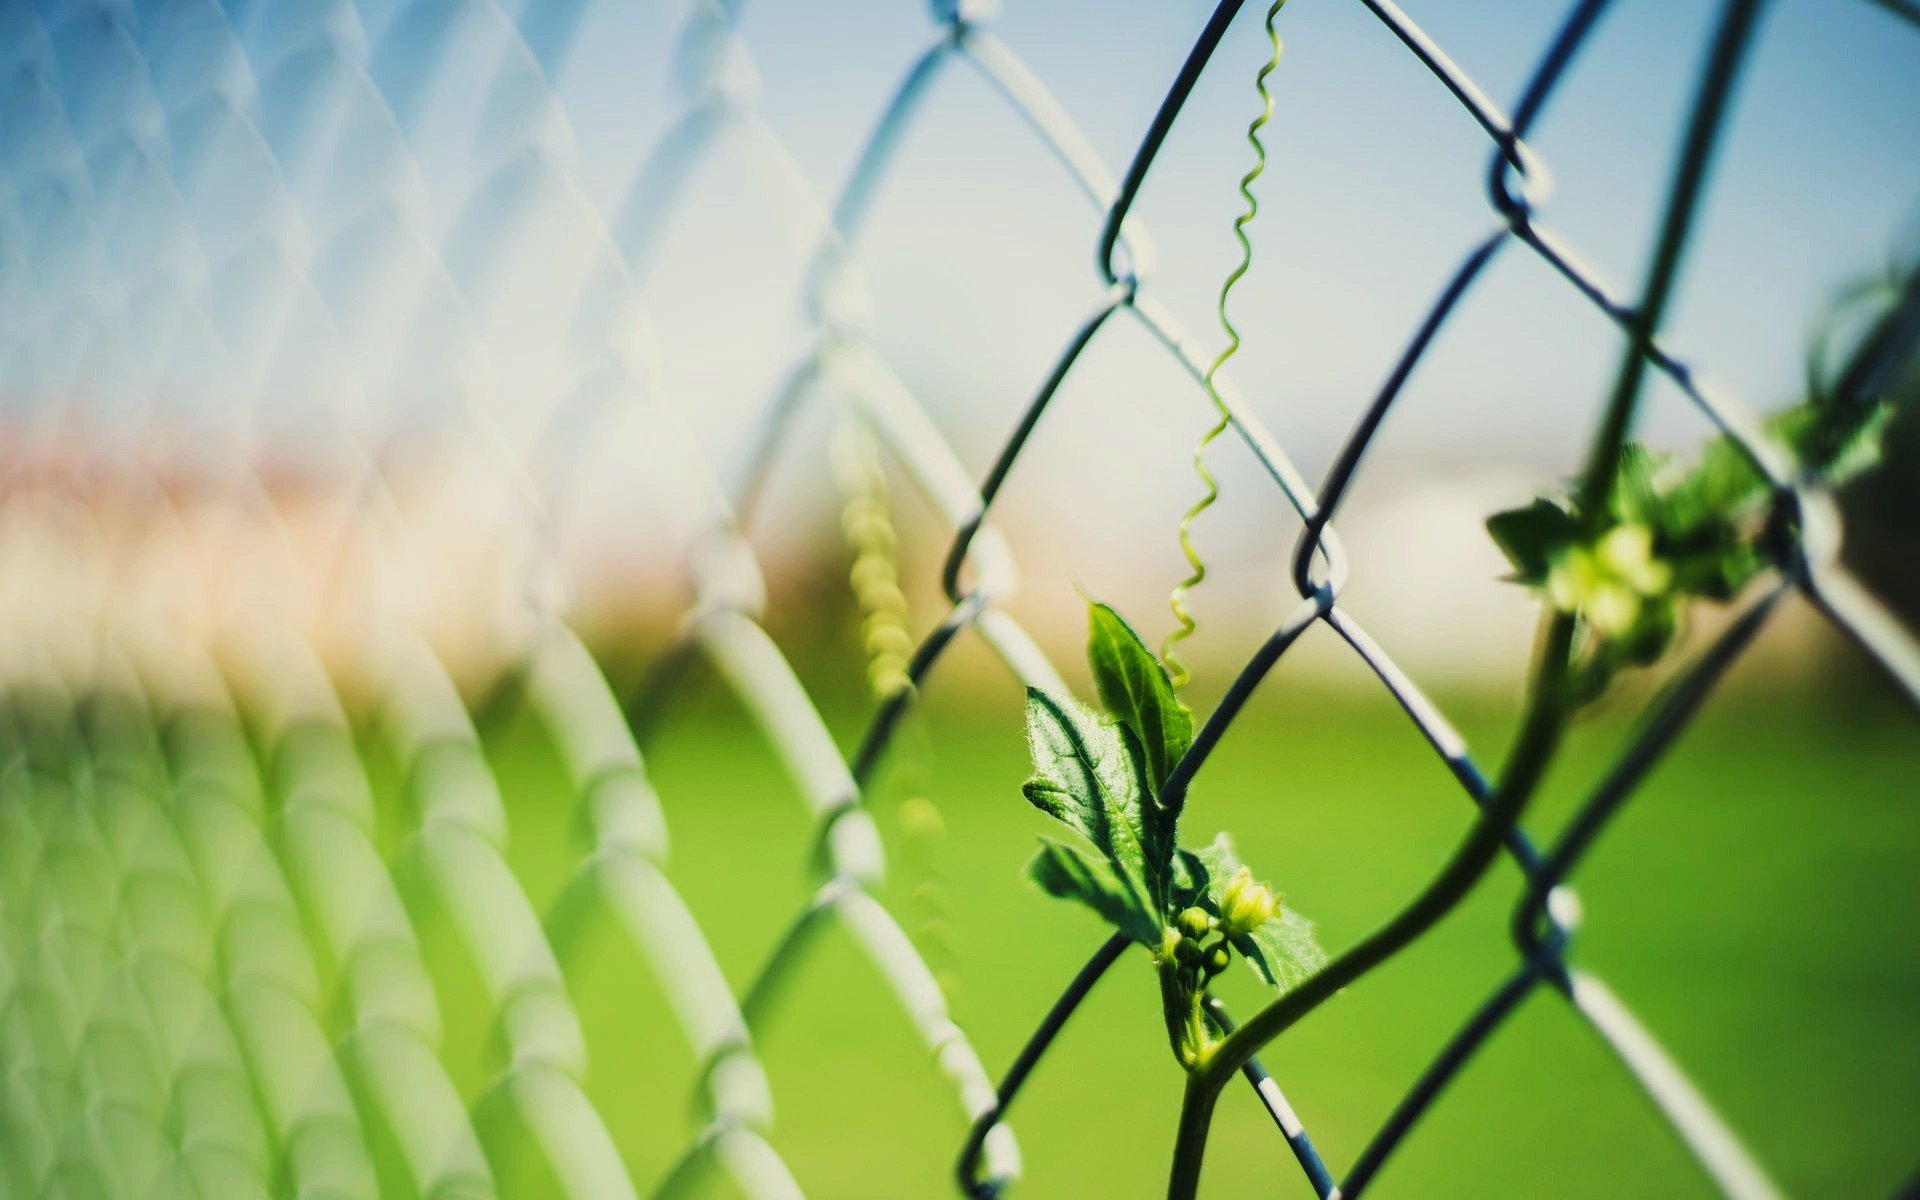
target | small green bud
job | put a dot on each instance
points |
(1246, 905)
(1195, 923)
(1187, 951)
(1626, 553)
(1611, 583)
(1217, 960)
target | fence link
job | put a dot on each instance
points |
(212, 979)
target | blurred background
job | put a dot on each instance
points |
(320, 319)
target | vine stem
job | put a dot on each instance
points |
(1190, 1143)
(1539, 737)
(1548, 702)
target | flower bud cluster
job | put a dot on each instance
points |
(1619, 587)
(1245, 905)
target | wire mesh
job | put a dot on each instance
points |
(213, 983)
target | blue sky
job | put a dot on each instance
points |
(978, 256)
(1374, 192)
(1375, 188)
(979, 253)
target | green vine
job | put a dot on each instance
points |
(1669, 533)
(1103, 775)
(1178, 601)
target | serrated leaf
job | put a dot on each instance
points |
(1722, 485)
(1197, 874)
(1530, 536)
(1284, 951)
(1833, 442)
(1639, 479)
(1070, 873)
(1715, 562)
(1090, 775)
(1135, 688)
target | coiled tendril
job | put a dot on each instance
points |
(1175, 668)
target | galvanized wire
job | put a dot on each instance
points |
(245, 792)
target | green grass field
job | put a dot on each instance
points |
(1753, 905)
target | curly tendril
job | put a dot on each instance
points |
(1175, 668)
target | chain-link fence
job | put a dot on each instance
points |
(213, 983)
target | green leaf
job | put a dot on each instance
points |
(1834, 442)
(1639, 481)
(1283, 952)
(1721, 486)
(1715, 562)
(1090, 775)
(1530, 536)
(1198, 874)
(1070, 873)
(1134, 687)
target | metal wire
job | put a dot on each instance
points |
(268, 827)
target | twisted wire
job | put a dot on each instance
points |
(315, 785)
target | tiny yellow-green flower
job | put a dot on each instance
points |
(1610, 582)
(1246, 905)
